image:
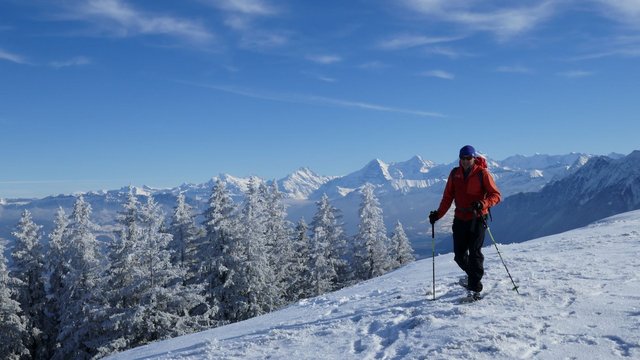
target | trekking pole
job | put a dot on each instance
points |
(433, 258)
(515, 287)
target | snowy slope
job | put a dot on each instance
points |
(580, 298)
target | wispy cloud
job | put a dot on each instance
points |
(13, 57)
(315, 100)
(326, 79)
(76, 61)
(117, 18)
(441, 74)
(263, 40)
(374, 65)
(248, 7)
(324, 59)
(623, 11)
(243, 17)
(480, 16)
(447, 52)
(514, 69)
(627, 46)
(573, 74)
(320, 77)
(407, 41)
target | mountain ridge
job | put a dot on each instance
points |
(407, 191)
(601, 188)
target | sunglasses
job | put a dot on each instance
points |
(466, 157)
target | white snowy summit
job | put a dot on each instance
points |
(414, 168)
(400, 176)
(301, 183)
(376, 172)
(579, 299)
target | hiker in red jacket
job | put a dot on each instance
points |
(474, 191)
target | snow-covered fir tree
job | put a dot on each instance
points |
(28, 268)
(278, 242)
(122, 290)
(371, 257)
(185, 232)
(255, 280)
(122, 252)
(55, 269)
(300, 286)
(220, 254)
(162, 301)
(13, 325)
(328, 249)
(401, 250)
(81, 312)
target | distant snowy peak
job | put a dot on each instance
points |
(412, 169)
(301, 183)
(237, 185)
(135, 190)
(603, 172)
(375, 172)
(582, 160)
(542, 161)
(400, 176)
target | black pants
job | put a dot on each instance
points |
(468, 238)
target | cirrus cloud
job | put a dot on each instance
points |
(13, 57)
(325, 59)
(116, 18)
(504, 22)
(406, 41)
(440, 74)
(574, 74)
(76, 61)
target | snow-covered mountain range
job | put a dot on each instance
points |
(565, 310)
(407, 192)
(602, 187)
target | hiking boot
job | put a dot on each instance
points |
(475, 295)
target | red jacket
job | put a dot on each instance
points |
(465, 191)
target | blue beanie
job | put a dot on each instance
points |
(467, 150)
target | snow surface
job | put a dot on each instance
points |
(580, 299)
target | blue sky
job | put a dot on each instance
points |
(99, 94)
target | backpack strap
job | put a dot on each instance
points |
(481, 175)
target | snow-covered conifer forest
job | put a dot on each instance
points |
(70, 295)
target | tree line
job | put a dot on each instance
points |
(68, 295)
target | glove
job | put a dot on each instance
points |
(477, 205)
(433, 217)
